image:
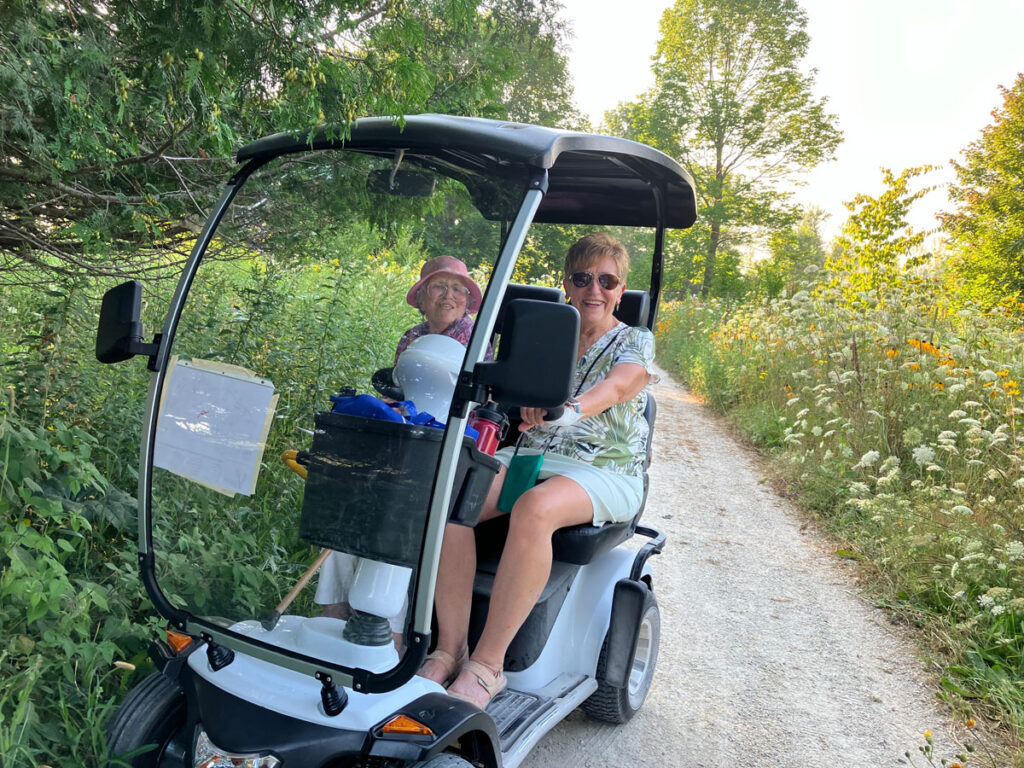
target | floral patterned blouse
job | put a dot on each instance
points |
(615, 440)
(460, 330)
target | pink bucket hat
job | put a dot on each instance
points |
(447, 265)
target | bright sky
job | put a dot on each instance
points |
(912, 81)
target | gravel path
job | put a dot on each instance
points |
(768, 655)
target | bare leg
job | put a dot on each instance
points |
(453, 594)
(524, 569)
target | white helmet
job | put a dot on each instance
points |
(427, 371)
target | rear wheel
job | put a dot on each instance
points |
(617, 705)
(151, 714)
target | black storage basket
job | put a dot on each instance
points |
(369, 484)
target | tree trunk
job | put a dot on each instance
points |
(709, 259)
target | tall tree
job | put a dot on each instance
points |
(988, 226)
(877, 241)
(119, 117)
(792, 251)
(731, 104)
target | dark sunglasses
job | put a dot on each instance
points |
(606, 280)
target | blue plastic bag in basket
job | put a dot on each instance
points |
(370, 407)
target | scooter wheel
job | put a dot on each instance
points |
(444, 760)
(151, 713)
(617, 705)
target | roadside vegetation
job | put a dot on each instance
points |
(887, 388)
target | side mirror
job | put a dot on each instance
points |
(536, 356)
(401, 183)
(119, 336)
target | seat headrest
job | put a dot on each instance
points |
(635, 308)
(516, 291)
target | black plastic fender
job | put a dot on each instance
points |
(624, 630)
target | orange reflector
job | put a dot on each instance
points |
(178, 641)
(403, 725)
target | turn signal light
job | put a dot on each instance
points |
(403, 725)
(178, 640)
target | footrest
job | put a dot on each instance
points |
(513, 711)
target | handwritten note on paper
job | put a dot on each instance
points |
(213, 425)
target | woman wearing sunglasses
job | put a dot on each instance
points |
(591, 473)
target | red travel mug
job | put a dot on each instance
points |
(490, 425)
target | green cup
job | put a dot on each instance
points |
(521, 477)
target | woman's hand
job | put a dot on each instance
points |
(531, 417)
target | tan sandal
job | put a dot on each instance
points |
(449, 663)
(485, 677)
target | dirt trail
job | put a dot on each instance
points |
(768, 655)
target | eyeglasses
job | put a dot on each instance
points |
(607, 280)
(442, 289)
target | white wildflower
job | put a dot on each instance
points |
(859, 489)
(947, 435)
(994, 474)
(912, 436)
(957, 414)
(869, 459)
(961, 509)
(923, 455)
(985, 601)
(1014, 550)
(988, 375)
(998, 610)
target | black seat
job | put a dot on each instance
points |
(634, 308)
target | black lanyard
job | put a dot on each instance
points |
(599, 356)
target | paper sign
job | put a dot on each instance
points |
(213, 425)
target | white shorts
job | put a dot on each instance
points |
(615, 498)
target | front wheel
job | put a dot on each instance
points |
(152, 712)
(617, 705)
(444, 760)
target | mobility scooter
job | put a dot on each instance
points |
(247, 679)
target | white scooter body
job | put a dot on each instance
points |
(562, 677)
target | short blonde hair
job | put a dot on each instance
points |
(590, 249)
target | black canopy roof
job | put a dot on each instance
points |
(594, 180)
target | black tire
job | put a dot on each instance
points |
(444, 760)
(152, 712)
(617, 705)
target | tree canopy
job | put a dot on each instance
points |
(731, 104)
(988, 224)
(120, 117)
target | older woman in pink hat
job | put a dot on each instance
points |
(446, 296)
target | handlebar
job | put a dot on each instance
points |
(552, 413)
(383, 381)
